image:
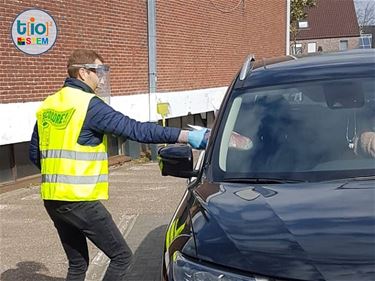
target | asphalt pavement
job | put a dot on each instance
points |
(141, 203)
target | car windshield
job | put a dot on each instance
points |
(307, 131)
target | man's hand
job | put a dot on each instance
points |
(198, 138)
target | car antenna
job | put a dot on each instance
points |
(264, 63)
(247, 67)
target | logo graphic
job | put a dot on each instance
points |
(34, 32)
(52, 119)
(58, 119)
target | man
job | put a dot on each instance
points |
(69, 146)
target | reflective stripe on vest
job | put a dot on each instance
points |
(75, 155)
(74, 179)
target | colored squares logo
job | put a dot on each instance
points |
(21, 41)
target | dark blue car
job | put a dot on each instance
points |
(286, 187)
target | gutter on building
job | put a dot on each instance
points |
(151, 32)
(152, 74)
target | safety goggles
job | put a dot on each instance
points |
(100, 69)
(103, 89)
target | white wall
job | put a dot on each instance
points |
(18, 119)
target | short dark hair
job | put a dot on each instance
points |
(81, 56)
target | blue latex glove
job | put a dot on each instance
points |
(197, 138)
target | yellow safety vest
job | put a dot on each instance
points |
(70, 171)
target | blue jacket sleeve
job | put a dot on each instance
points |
(104, 119)
(34, 153)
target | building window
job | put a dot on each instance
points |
(365, 41)
(311, 47)
(303, 24)
(343, 45)
(297, 49)
(6, 167)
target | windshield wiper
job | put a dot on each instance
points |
(263, 180)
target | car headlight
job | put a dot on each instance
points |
(187, 270)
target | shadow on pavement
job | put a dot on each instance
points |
(147, 259)
(28, 271)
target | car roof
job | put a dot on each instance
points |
(288, 69)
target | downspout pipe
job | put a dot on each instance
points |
(287, 47)
(152, 75)
(151, 31)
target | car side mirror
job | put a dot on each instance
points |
(176, 160)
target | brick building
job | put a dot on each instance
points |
(183, 53)
(330, 26)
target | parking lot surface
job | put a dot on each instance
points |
(141, 203)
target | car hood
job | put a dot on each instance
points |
(316, 231)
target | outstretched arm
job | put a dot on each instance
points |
(103, 119)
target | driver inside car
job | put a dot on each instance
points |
(365, 145)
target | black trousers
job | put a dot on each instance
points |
(76, 221)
